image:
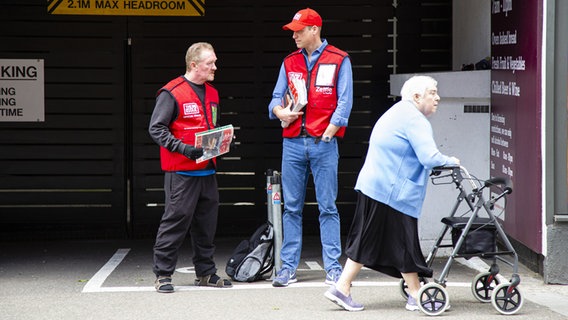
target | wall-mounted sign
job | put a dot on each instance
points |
(21, 90)
(516, 30)
(127, 7)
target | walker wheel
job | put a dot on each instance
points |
(403, 287)
(433, 299)
(482, 286)
(506, 298)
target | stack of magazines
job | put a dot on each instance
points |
(296, 97)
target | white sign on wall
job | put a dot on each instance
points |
(22, 90)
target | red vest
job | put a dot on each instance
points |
(322, 91)
(192, 117)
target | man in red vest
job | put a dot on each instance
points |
(310, 140)
(185, 106)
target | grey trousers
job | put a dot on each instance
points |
(192, 205)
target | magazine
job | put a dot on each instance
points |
(214, 142)
(296, 96)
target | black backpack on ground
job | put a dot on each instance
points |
(253, 259)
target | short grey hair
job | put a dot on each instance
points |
(193, 53)
(416, 85)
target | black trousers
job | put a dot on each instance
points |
(192, 205)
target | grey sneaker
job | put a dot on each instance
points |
(411, 304)
(284, 278)
(332, 276)
(346, 302)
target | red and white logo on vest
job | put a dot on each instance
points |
(295, 75)
(190, 109)
(324, 90)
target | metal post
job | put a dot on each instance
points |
(269, 174)
(276, 202)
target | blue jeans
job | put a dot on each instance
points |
(299, 157)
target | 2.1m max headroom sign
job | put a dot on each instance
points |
(127, 7)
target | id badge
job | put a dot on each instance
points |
(326, 75)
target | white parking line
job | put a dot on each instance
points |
(96, 282)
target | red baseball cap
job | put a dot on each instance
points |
(304, 18)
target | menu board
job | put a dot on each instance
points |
(515, 146)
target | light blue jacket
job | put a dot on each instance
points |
(401, 154)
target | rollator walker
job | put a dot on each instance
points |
(474, 233)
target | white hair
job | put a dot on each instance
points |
(416, 85)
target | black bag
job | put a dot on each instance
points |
(252, 259)
(480, 237)
(476, 241)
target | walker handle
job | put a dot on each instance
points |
(501, 181)
(437, 170)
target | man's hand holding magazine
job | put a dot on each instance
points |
(295, 100)
(286, 115)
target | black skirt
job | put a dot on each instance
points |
(386, 240)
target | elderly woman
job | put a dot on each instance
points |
(391, 190)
